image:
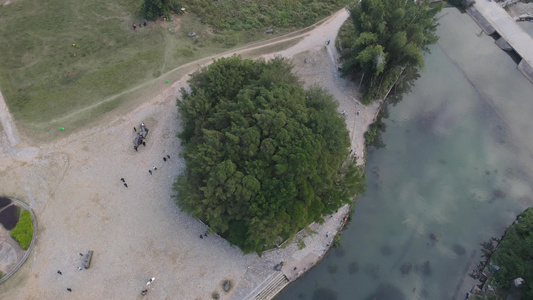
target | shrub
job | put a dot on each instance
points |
(9, 217)
(4, 202)
(23, 232)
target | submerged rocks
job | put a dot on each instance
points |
(353, 268)
(458, 249)
(406, 268)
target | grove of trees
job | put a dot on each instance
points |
(264, 157)
(389, 37)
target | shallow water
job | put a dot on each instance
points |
(457, 169)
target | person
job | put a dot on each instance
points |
(134, 129)
(59, 272)
(134, 26)
(154, 168)
(150, 171)
(69, 289)
(164, 159)
(168, 156)
(125, 184)
(150, 281)
(144, 143)
(305, 60)
(295, 268)
(122, 179)
(328, 41)
(144, 24)
(358, 112)
(143, 292)
(327, 234)
(135, 147)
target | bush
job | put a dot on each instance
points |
(514, 255)
(4, 202)
(9, 217)
(23, 232)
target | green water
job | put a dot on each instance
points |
(458, 164)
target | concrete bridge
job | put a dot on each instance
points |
(493, 18)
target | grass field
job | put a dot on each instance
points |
(108, 58)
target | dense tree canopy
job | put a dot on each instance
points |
(151, 9)
(390, 36)
(514, 255)
(264, 156)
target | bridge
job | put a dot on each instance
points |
(496, 19)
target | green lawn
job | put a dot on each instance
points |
(108, 58)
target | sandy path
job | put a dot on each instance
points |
(73, 185)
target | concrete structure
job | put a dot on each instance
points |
(506, 26)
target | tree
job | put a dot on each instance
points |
(264, 157)
(390, 36)
(152, 9)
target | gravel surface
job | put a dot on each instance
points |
(73, 185)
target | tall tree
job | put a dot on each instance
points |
(390, 36)
(264, 156)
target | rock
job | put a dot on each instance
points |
(191, 34)
(518, 281)
(277, 267)
(270, 31)
(226, 286)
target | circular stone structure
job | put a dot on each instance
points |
(8, 245)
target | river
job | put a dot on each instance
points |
(456, 170)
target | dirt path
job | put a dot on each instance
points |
(136, 232)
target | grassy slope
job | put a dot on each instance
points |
(109, 56)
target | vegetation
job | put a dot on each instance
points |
(514, 255)
(23, 232)
(152, 9)
(9, 217)
(252, 14)
(301, 244)
(264, 156)
(389, 37)
(109, 57)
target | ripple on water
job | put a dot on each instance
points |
(324, 294)
(387, 291)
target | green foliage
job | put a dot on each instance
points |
(152, 9)
(264, 156)
(252, 14)
(301, 244)
(514, 255)
(23, 232)
(336, 241)
(388, 39)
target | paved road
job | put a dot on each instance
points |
(515, 35)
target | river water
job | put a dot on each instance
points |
(456, 170)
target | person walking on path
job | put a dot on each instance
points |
(134, 129)
(122, 179)
(168, 156)
(134, 26)
(69, 289)
(135, 147)
(59, 272)
(358, 112)
(150, 171)
(328, 42)
(327, 234)
(154, 168)
(125, 184)
(164, 159)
